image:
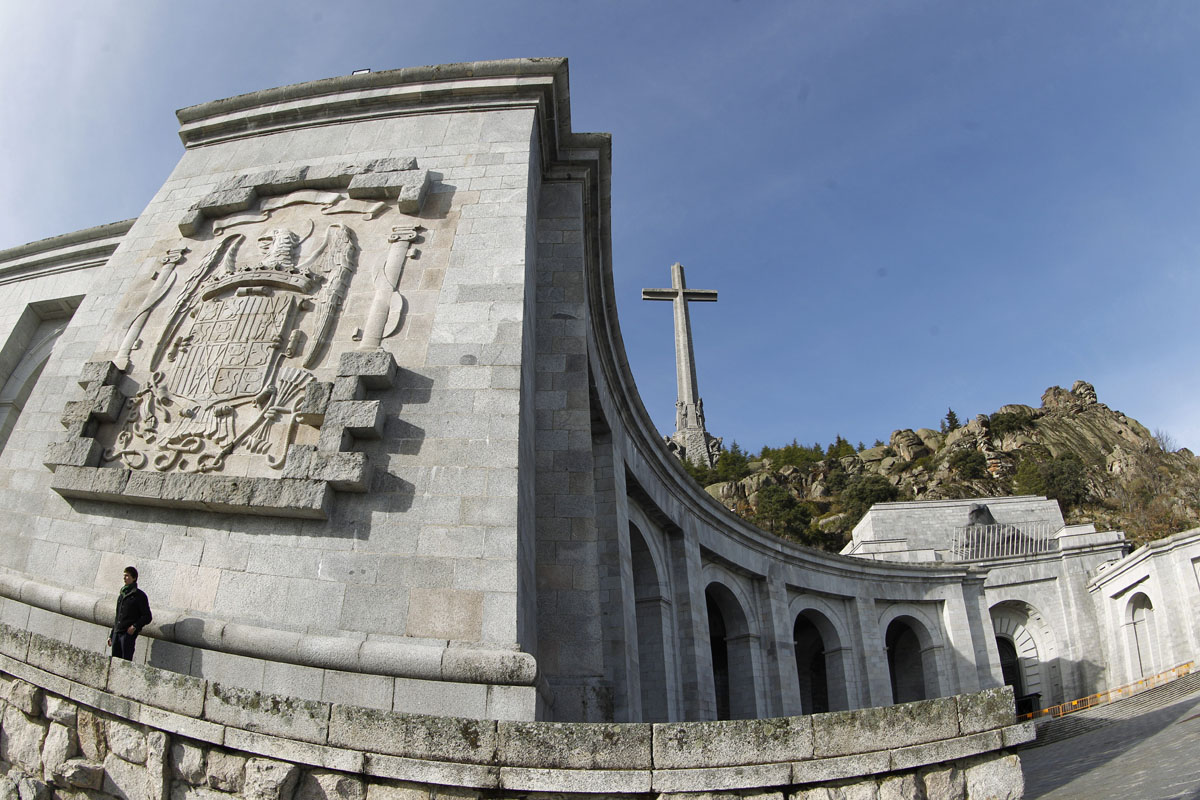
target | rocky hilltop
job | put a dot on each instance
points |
(1101, 465)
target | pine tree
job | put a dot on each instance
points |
(732, 465)
(1028, 479)
(950, 421)
(840, 448)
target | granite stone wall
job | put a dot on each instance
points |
(84, 727)
(403, 515)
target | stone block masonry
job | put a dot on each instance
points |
(110, 729)
(355, 288)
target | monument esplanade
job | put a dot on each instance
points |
(351, 394)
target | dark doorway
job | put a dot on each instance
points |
(650, 619)
(720, 656)
(904, 663)
(1010, 665)
(810, 666)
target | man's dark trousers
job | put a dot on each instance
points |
(123, 645)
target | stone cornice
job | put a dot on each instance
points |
(82, 249)
(452, 87)
(1147, 551)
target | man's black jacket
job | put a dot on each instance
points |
(133, 608)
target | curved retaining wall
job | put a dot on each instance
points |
(75, 720)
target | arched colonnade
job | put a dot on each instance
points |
(714, 640)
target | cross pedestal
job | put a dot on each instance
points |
(690, 441)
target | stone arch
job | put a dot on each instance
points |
(1140, 636)
(651, 618)
(822, 657)
(1031, 670)
(731, 641)
(914, 654)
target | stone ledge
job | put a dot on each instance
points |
(1019, 734)
(190, 727)
(291, 750)
(982, 710)
(717, 779)
(947, 750)
(414, 736)
(471, 776)
(528, 756)
(844, 733)
(59, 658)
(583, 781)
(597, 746)
(683, 745)
(279, 497)
(833, 769)
(78, 249)
(259, 712)
(453, 664)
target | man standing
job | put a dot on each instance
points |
(133, 614)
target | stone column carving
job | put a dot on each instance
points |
(164, 279)
(387, 306)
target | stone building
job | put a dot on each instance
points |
(1073, 612)
(352, 396)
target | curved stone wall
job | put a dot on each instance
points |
(76, 720)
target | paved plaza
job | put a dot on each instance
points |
(1154, 756)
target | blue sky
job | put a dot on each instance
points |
(904, 206)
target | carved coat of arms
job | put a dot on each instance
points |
(255, 315)
(232, 363)
(216, 378)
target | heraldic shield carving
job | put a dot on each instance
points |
(230, 368)
(221, 395)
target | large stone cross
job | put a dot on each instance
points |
(694, 442)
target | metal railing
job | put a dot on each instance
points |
(1003, 540)
(1112, 695)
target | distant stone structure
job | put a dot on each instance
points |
(1073, 610)
(691, 440)
(351, 395)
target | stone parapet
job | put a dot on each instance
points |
(459, 663)
(141, 732)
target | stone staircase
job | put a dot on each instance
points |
(1056, 729)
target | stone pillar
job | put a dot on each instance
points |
(617, 594)
(781, 656)
(571, 648)
(877, 682)
(695, 656)
(962, 634)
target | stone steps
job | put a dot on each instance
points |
(1054, 730)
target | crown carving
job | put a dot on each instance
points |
(261, 275)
